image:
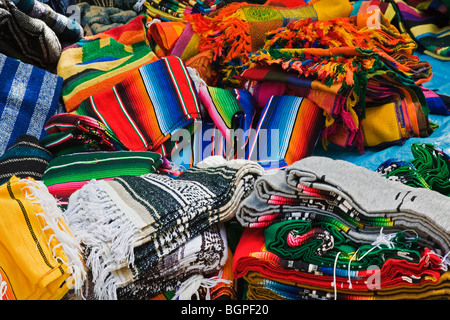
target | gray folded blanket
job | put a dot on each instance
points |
(361, 199)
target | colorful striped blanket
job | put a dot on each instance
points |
(96, 63)
(147, 106)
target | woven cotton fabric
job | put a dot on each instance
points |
(147, 217)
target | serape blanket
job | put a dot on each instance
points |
(238, 29)
(131, 222)
(33, 228)
(345, 74)
(252, 255)
(163, 36)
(429, 168)
(28, 98)
(67, 173)
(25, 158)
(263, 288)
(147, 106)
(320, 188)
(203, 256)
(98, 62)
(224, 109)
(27, 39)
(70, 133)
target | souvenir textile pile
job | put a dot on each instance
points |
(30, 217)
(130, 223)
(238, 29)
(357, 75)
(200, 258)
(319, 224)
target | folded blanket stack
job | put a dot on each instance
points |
(331, 226)
(25, 158)
(357, 75)
(33, 228)
(128, 224)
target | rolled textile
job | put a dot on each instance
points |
(204, 255)
(31, 218)
(27, 39)
(237, 29)
(147, 106)
(147, 217)
(68, 173)
(251, 255)
(25, 158)
(70, 133)
(96, 63)
(164, 35)
(28, 98)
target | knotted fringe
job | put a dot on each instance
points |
(53, 218)
(227, 35)
(190, 287)
(109, 236)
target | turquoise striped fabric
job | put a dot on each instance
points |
(28, 98)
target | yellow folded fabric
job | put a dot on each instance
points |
(39, 258)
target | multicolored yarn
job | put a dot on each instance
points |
(236, 30)
(96, 63)
(348, 67)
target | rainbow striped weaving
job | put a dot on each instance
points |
(287, 131)
(147, 106)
